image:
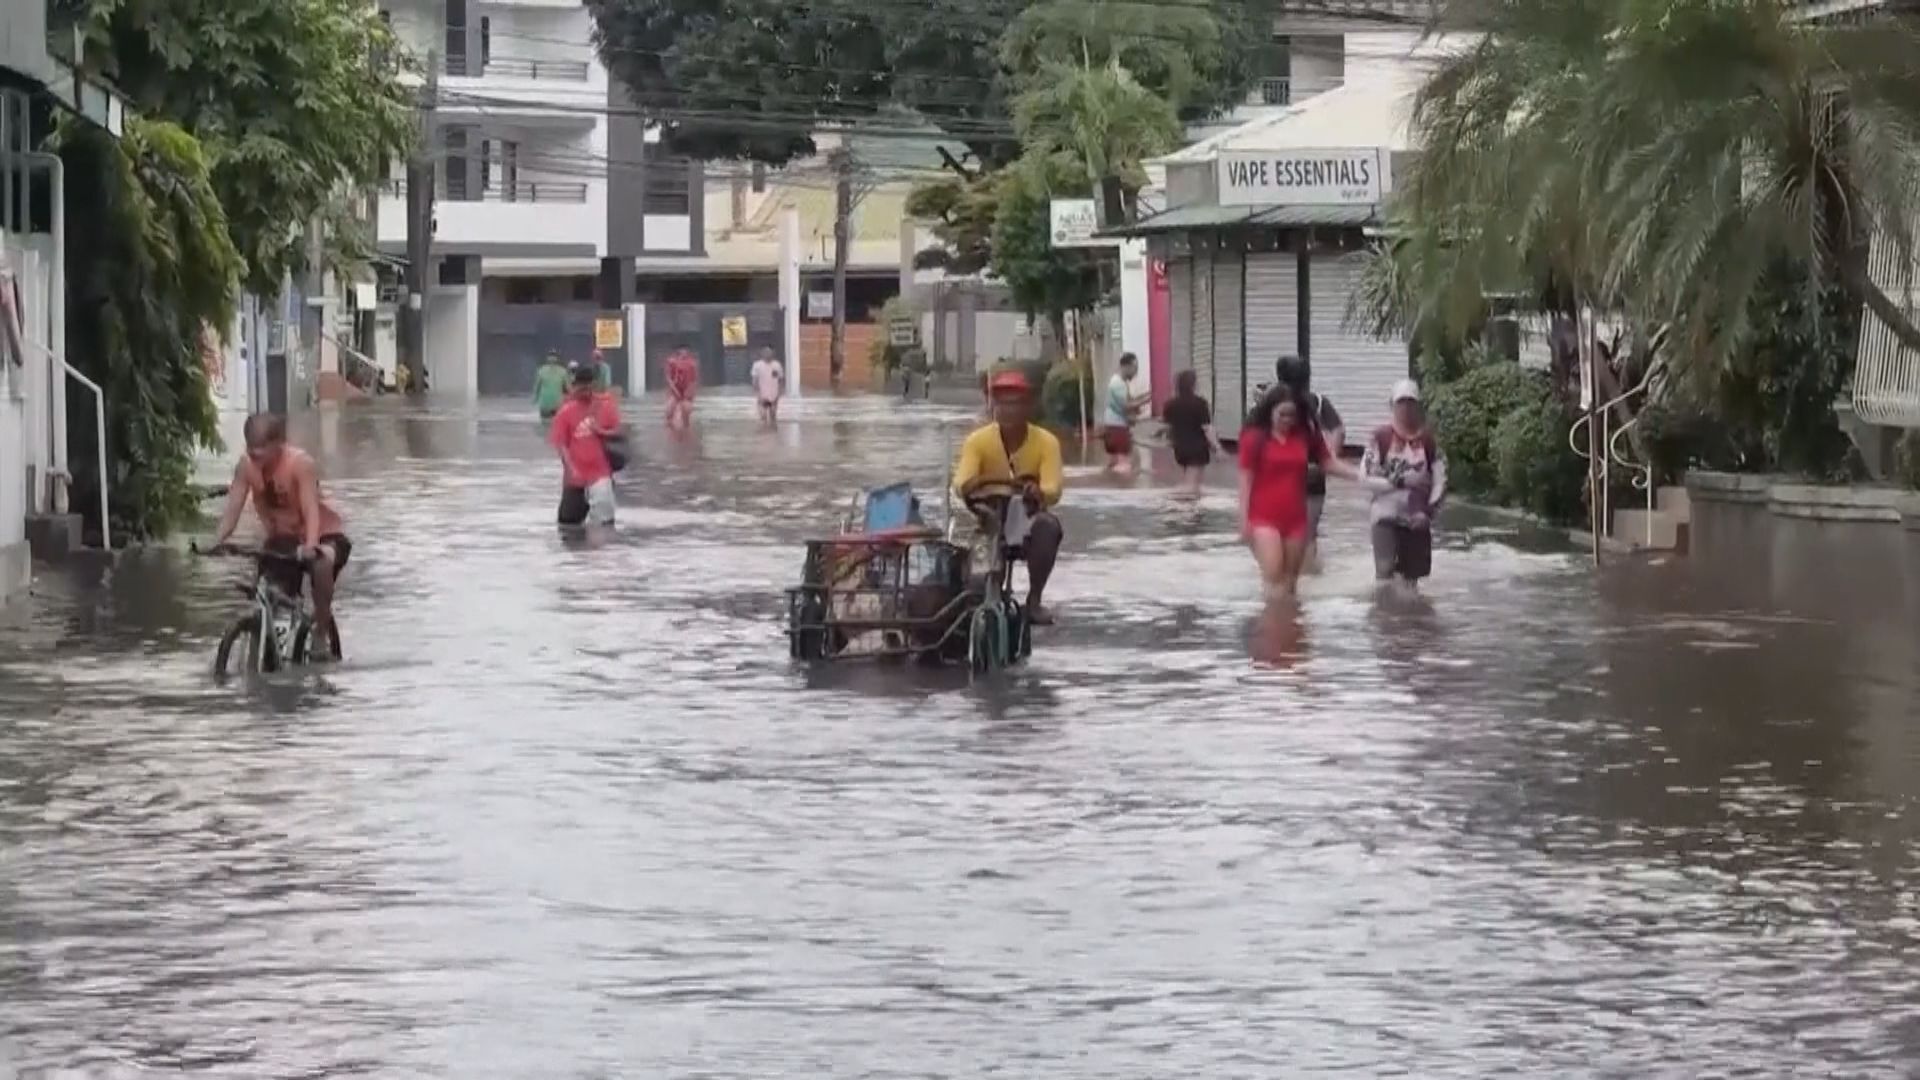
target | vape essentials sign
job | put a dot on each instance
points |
(1302, 178)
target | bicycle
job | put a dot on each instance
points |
(278, 629)
(999, 634)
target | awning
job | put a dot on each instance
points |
(1188, 218)
(1183, 218)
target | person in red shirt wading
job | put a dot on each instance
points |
(1276, 448)
(283, 484)
(683, 380)
(580, 432)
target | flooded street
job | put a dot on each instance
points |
(568, 811)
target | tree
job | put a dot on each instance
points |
(1043, 279)
(150, 268)
(297, 104)
(1102, 118)
(1666, 156)
(1180, 50)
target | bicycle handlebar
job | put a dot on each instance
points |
(235, 551)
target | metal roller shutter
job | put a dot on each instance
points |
(1355, 370)
(1203, 323)
(1273, 316)
(1180, 313)
(1229, 358)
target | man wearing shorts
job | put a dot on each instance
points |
(1408, 474)
(579, 435)
(1122, 407)
(769, 382)
(283, 484)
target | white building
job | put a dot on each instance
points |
(548, 185)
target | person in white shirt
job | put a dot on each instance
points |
(769, 382)
(1407, 472)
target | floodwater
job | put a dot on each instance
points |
(568, 811)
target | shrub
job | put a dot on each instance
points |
(1466, 412)
(1057, 405)
(1534, 466)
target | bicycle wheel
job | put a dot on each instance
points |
(246, 627)
(302, 649)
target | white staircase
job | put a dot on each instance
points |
(1662, 526)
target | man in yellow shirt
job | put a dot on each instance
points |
(1012, 451)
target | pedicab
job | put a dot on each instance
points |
(889, 586)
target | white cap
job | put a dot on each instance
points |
(1404, 390)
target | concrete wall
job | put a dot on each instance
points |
(1850, 554)
(453, 341)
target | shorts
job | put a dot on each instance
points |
(1118, 440)
(1196, 455)
(1401, 551)
(590, 505)
(292, 581)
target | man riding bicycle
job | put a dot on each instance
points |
(1020, 460)
(284, 486)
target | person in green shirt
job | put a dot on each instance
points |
(550, 387)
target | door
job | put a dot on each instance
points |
(1229, 353)
(1273, 317)
(1203, 323)
(1353, 369)
(1180, 314)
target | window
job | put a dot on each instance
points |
(665, 191)
(759, 174)
(510, 170)
(456, 37)
(486, 41)
(486, 166)
(583, 288)
(456, 163)
(525, 290)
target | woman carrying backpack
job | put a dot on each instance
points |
(1408, 474)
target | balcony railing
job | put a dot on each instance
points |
(507, 67)
(523, 191)
(1281, 90)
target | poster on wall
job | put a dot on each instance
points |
(609, 332)
(733, 331)
(819, 305)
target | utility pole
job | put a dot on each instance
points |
(842, 228)
(420, 192)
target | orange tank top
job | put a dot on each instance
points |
(276, 497)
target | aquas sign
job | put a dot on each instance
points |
(1302, 177)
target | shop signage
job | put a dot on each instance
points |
(1073, 222)
(819, 305)
(1302, 177)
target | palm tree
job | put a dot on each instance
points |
(1660, 159)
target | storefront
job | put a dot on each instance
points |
(1264, 239)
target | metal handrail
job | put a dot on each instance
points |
(1643, 473)
(100, 436)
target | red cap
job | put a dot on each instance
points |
(1010, 380)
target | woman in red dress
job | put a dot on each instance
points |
(1277, 447)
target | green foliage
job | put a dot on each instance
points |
(150, 265)
(1188, 53)
(962, 210)
(1468, 411)
(1042, 279)
(1100, 117)
(1534, 467)
(1059, 407)
(297, 104)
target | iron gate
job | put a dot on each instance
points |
(514, 338)
(724, 336)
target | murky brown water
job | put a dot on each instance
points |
(569, 812)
